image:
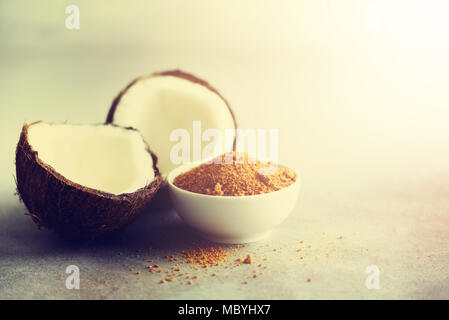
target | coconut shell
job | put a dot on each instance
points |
(174, 73)
(71, 210)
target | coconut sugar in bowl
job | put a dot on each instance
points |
(234, 201)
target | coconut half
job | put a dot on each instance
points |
(84, 181)
(158, 104)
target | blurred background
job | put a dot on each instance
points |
(358, 89)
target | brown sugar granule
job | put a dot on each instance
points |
(235, 174)
(205, 256)
(248, 259)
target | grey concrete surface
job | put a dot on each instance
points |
(407, 241)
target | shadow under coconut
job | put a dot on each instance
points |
(19, 235)
(162, 231)
(156, 229)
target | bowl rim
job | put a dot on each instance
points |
(190, 165)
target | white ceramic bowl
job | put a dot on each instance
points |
(228, 219)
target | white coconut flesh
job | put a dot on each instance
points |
(157, 106)
(103, 157)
